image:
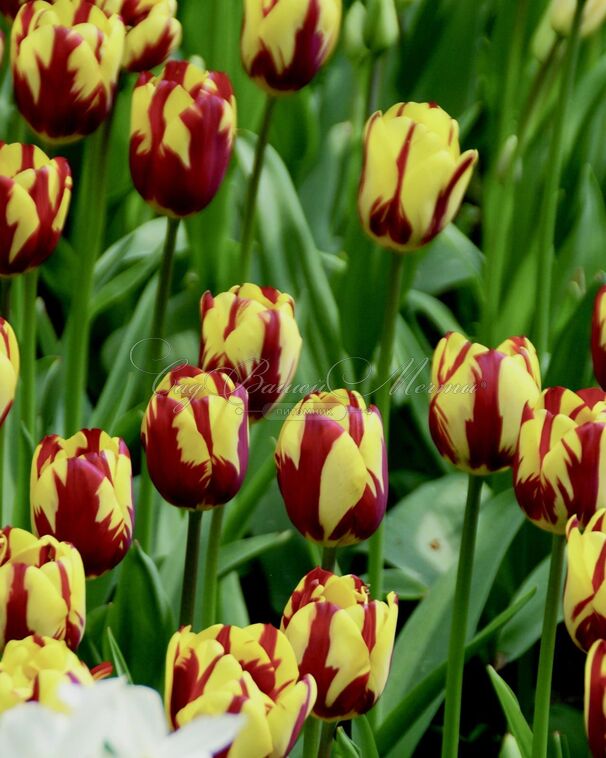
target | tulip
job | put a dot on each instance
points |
(343, 639)
(585, 589)
(560, 458)
(598, 337)
(250, 670)
(332, 468)
(152, 31)
(9, 368)
(595, 698)
(284, 43)
(561, 15)
(35, 193)
(250, 332)
(477, 399)
(81, 492)
(195, 435)
(37, 668)
(183, 124)
(42, 588)
(413, 176)
(66, 59)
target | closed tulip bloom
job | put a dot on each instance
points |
(598, 337)
(559, 468)
(561, 15)
(183, 125)
(66, 59)
(284, 43)
(42, 588)
(250, 332)
(195, 435)
(343, 639)
(35, 193)
(595, 698)
(332, 468)
(9, 368)
(36, 668)
(81, 492)
(250, 670)
(413, 175)
(477, 399)
(152, 31)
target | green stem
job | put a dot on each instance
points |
(329, 558)
(243, 507)
(327, 736)
(190, 569)
(548, 213)
(311, 737)
(209, 593)
(458, 629)
(27, 432)
(87, 241)
(550, 621)
(383, 402)
(248, 225)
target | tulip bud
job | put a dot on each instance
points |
(195, 435)
(343, 639)
(477, 399)
(250, 332)
(561, 16)
(183, 124)
(81, 492)
(332, 468)
(585, 589)
(382, 26)
(152, 31)
(42, 588)
(284, 44)
(598, 337)
(66, 59)
(595, 698)
(37, 668)
(35, 193)
(250, 670)
(560, 458)
(9, 368)
(413, 176)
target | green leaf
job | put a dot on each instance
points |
(140, 618)
(364, 737)
(115, 655)
(450, 261)
(513, 713)
(234, 554)
(509, 748)
(233, 602)
(345, 747)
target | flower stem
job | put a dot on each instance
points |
(27, 432)
(550, 621)
(190, 569)
(548, 213)
(87, 241)
(326, 739)
(247, 500)
(248, 225)
(458, 629)
(329, 558)
(383, 402)
(209, 593)
(311, 737)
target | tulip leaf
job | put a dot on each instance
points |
(450, 261)
(112, 650)
(511, 708)
(140, 618)
(363, 736)
(345, 747)
(510, 748)
(234, 554)
(232, 601)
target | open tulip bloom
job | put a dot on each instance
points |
(9, 368)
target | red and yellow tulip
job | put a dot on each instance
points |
(42, 588)
(250, 332)
(598, 336)
(595, 698)
(81, 492)
(560, 465)
(183, 124)
(413, 176)
(477, 399)
(9, 368)
(332, 468)
(65, 58)
(343, 639)
(250, 670)
(285, 42)
(195, 435)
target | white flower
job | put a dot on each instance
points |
(110, 720)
